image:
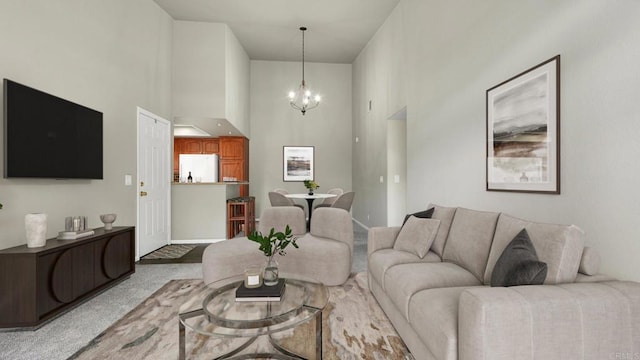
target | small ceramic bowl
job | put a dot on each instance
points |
(108, 220)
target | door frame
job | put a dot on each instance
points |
(139, 112)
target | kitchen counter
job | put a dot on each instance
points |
(199, 211)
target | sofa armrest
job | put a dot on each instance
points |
(381, 238)
(568, 321)
(333, 223)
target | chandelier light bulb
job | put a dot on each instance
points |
(292, 95)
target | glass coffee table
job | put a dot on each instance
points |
(215, 313)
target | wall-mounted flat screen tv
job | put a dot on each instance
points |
(49, 137)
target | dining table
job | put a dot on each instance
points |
(310, 199)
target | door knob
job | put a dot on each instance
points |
(143, 193)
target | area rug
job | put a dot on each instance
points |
(354, 327)
(169, 252)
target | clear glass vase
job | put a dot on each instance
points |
(270, 275)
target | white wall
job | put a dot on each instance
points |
(455, 51)
(108, 55)
(379, 78)
(274, 124)
(199, 87)
(237, 79)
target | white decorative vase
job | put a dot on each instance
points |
(36, 229)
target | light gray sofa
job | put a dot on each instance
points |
(325, 253)
(443, 307)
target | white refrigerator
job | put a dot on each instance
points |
(203, 168)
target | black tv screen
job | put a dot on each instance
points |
(49, 137)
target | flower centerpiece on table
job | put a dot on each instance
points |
(272, 244)
(311, 186)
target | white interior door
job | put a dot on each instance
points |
(154, 179)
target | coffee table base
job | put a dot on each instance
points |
(283, 355)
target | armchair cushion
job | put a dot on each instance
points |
(417, 235)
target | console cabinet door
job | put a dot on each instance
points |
(72, 274)
(116, 259)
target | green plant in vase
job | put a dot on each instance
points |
(311, 185)
(272, 244)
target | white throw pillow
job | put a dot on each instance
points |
(417, 235)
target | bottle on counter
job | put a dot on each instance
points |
(189, 178)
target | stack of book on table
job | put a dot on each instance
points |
(72, 235)
(262, 293)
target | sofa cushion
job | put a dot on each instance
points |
(382, 260)
(589, 262)
(417, 235)
(559, 246)
(518, 264)
(403, 281)
(445, 215)
(426, 214)
(433, 314)
(470, 239)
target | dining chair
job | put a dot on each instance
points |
(281, 191)
(278, 199)
(344, 201)
(329, 201)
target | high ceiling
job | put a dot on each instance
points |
(269, 29)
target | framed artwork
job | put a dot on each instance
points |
(523, 131)
(297, 163)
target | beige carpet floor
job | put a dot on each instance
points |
(354, 327)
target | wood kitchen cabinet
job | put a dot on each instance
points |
(192, 146)
(38, 284)
(234, 160)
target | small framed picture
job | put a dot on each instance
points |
(297, 163)
(523, 131)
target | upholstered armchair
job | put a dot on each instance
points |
(325, 254)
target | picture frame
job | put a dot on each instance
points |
(298, 163)
(523, 131)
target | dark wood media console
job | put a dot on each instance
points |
(37, 284)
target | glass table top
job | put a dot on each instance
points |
(214, 311)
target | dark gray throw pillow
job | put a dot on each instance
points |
(518, 264)
(421, 214)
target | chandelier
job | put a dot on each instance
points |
(303, 100)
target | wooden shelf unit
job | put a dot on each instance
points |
(241, 216)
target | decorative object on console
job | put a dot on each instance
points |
(523, 131)
(36, 229)
(272, 244)
(302, 99)
(298, 163)
(108, 220)
(311, 185)
(518, 264)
